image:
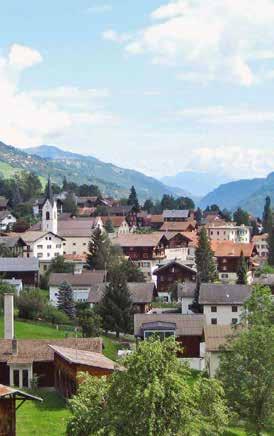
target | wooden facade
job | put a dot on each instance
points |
(172, 273)
(190, 345)
(29, 278)
(7, 416)
(66, 375)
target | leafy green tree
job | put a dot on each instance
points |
(204, 256)
(54, 316)
(259, 307)
(109, 226)
(241, 217)
(90, 322)
(69, 204)
(59, 265)
(242, 270)
(115, 308)
(65, 300)
(133, 199)
(89, 190)
(168, 202)
(267, 216)
(226, 215)
(270, 243)
(131, 271)
(148, 206)
(31, 303)
(156, 391)
(29, 185)
(183, 203)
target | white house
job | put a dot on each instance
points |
(261, 244)
(223, 303)
(81, 284)
(186, 292)
(7, 220)
(228, 232)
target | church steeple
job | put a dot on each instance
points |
(49, 194)
(49, 211)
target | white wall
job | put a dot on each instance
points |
(7, 222)
(179, 253)
(186, 301)
(223, 315)
(212, 362)
(80, 294)
(197, 363)
(47, 247)
(230, 233)
(76, 245)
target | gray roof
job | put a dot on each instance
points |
(186, 289)
(11, 241)
(86, 278)
(174, 262)
(141, 293)
(223, 293)
(186, 325)
(176, 214)
(265, 279)
(120, 209)
(20, 264)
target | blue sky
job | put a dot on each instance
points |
(155, 85)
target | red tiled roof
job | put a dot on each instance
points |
(231, 249)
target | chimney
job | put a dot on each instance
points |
(14, 349)
(8, 316)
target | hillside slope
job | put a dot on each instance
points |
(199, 183)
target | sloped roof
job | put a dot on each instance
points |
(216, 336)
(37, 350)
(18, 264)
(86, 278)
(32, 236)
(141, 293)
(221, 293)
(264, 279)
(186, 325)
(119, 209)
(174, 262)
(76, 227)
(156, 218)
(139, 240)
(262, 237)
(11, 241)
(7, 391)
(177, 226)
(84, 357)
(186, 289)
(116, 221)
(231, 249)
(176, 213)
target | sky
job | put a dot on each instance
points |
(155, 85)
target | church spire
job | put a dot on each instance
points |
(49, 194)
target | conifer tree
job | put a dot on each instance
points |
(267, 216)
(242, 271)
(204, 257)
(65, 300)
(199, 215)
(270, 243)
(109, 226)
(99, 247)
(133, 199)
(115, 308)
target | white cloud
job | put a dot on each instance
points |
(29, 118)
(22, 57)
(222, 115)
(215, 39)
(99, 9)
(112, 35)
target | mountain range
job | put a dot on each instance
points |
(112, 180)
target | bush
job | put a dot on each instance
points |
(31, 303)
(53, 315)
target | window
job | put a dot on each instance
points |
(49, 238)
(39, 254)
(25, 377)
(16, 377)
(234, 320)
(58, 245)
(74, 243)
(48, 247)
(48, 254)
(234, 308)
(214, 321)
(224, 276)
(160, 334)
(45, 267)
(213, 308)
(47, 216)
(84, 243)
(64, 243)
(40, 247)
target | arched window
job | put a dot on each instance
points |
(47, 216)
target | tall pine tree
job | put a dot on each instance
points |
(133, 200)
(267, 216)
(204, 257)
(242, 271)
(115, 308)
(65, 300)
(99, 250)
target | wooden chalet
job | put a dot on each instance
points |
(21, 268)
(176, 215)
(178, 226)
(125, 211)
(148, 246)
(10, 401)
(187, 329)
(15, 244)
(173, 272)
(70, 362)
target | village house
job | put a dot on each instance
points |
(176, 215)
(142, 295)
(125, 211)
(155, 221)
(20, 268)
(185, 294)
(181, 245)
(228, 232)
(169, 274)
(14, 244)
(223, 303)
(7, 220)
(145, 250)
(261, 244)
(80, 282)
(186, 329)
(70, 362)
(119, 224)
(10, 400)
(227, 254)
(178, 226)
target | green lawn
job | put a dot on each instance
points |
(44, 419)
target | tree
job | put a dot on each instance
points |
(115, 308)
(5, 251)
(90, 322)
(156, 391)
(133, 199)
(204, 256)
(270, 243)
(69, 204)
(226, 215)
(246, 369)
(199, 215)
(267, 216)
(89, 190)
(242, 270)
(213, 208)
(59, 265)
(65, 300)
(109, 226)
(148, 206)
(241, 217)
(99, 248)
(183, 203)
(131, 271)
(31, 303)
(168, 202)
(101, 211)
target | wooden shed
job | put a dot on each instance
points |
(10, 401)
